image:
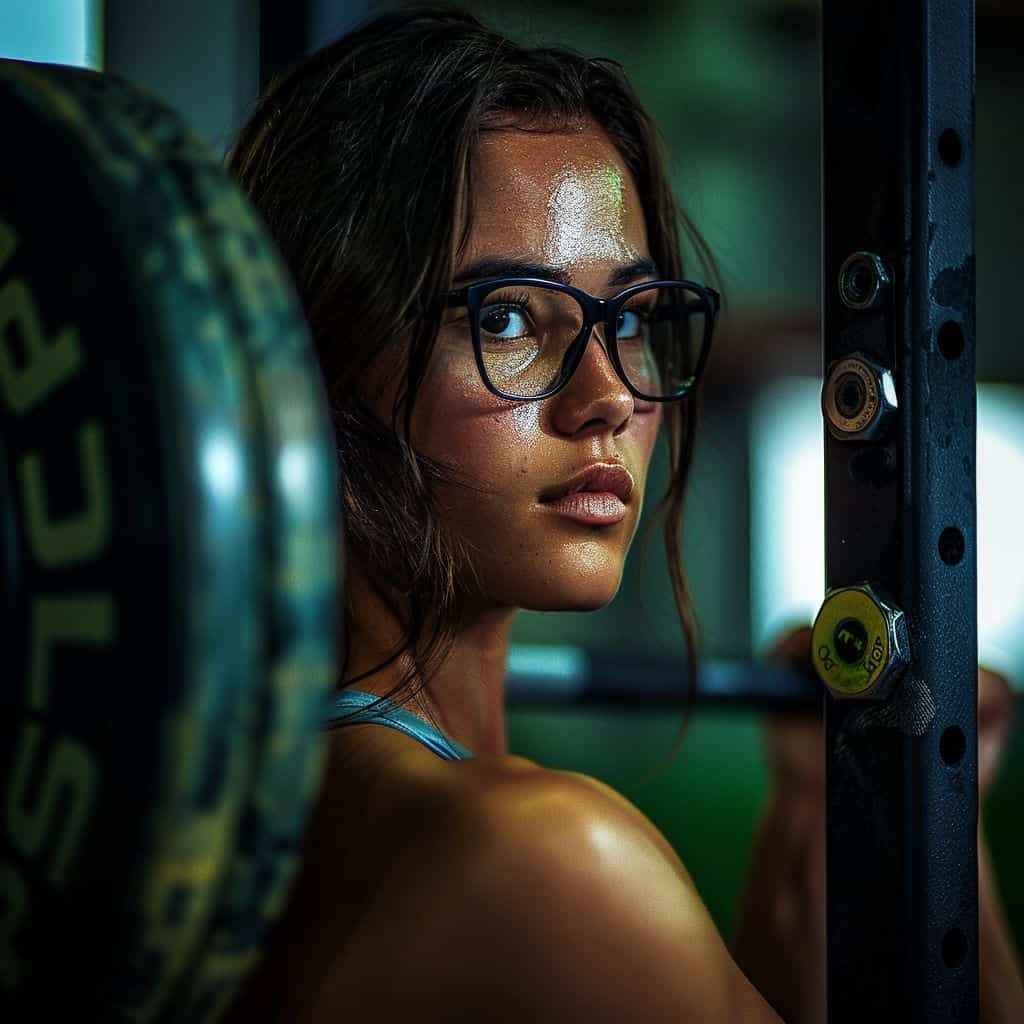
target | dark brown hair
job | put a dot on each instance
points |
(355, 157)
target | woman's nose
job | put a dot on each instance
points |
(595, 392)
(597, 362)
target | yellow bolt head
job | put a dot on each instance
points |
(859, 643)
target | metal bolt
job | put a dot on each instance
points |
(864, 281)
(861, 645)
(859, 399)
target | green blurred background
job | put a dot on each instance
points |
(734, 85)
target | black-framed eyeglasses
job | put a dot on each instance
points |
(529, 334)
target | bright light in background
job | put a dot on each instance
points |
(788, 517)
(787, 508)
(54, 31)
(548, 660)
(1000, 477)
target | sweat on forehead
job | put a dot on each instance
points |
(566, 197)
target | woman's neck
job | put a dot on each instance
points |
(465, 694)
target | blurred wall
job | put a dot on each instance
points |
(200, 56)
(54, 31)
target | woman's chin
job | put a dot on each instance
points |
(566, 578)
(584, 596)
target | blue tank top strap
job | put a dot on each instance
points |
(353, 707)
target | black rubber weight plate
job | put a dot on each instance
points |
(167, 535)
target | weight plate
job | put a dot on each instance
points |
(171, 623)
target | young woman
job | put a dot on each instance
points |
(488, 252)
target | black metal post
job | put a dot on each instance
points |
(898, 149)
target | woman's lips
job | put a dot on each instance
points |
(596, 508)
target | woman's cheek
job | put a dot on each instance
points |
(450, 400)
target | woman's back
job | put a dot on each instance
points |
(486, 889)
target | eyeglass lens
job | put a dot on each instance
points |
(526, 332)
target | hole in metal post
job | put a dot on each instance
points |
(954, 947)
(953, 745)
(951, 545)
(951, 339)
(950, 147)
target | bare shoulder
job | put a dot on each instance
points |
(548, 896)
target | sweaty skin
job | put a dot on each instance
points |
(585, 196)
(564, 199)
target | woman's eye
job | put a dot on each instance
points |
(504, 321)
(629, 324)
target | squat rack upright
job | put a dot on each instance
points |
(898, 189)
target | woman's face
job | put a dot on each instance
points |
(566, 201)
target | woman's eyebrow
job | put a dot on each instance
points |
(501, 266)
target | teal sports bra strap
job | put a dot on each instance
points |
(353, 707)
